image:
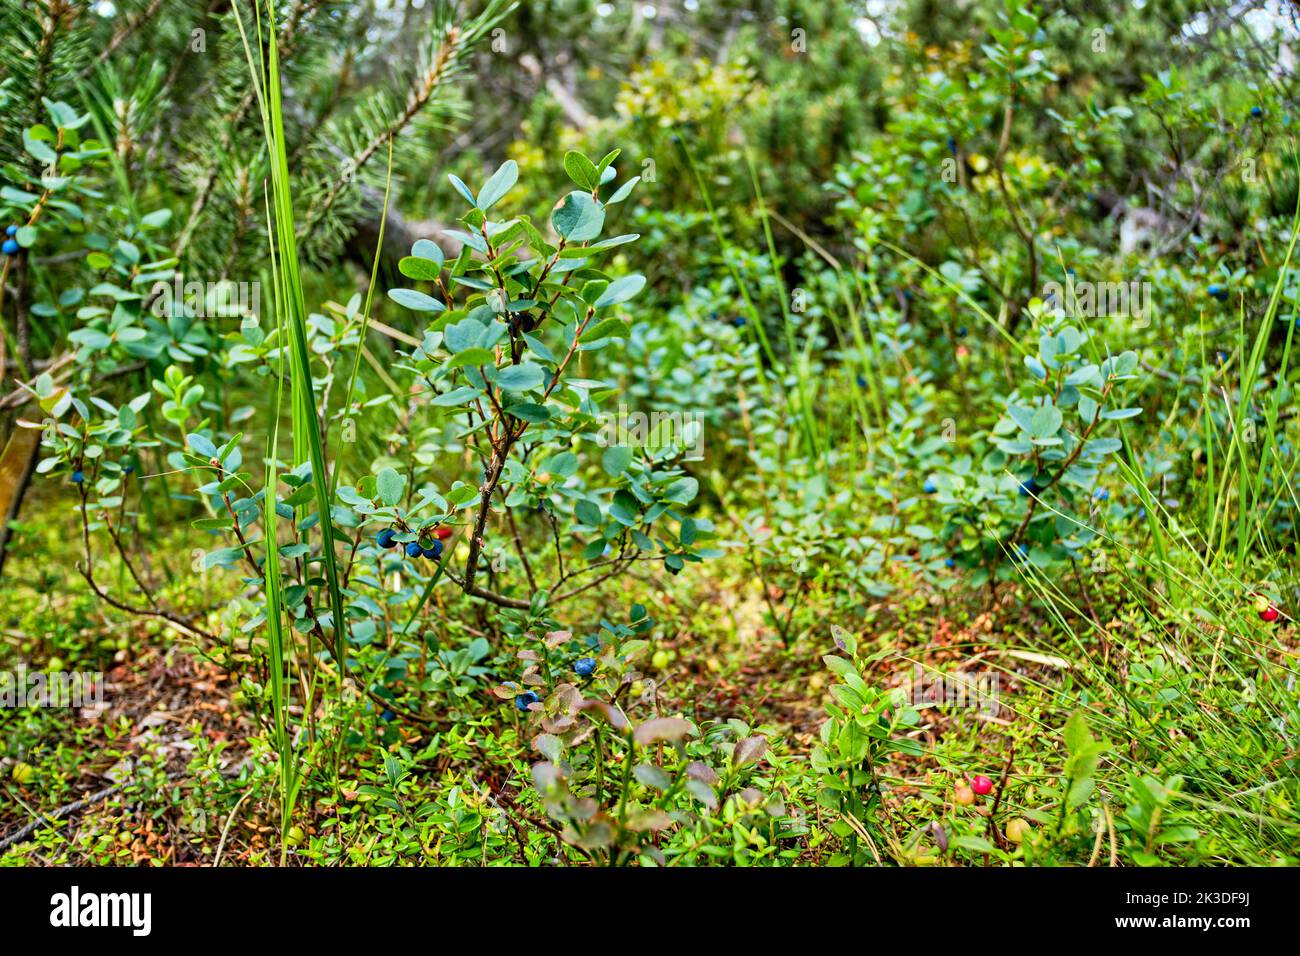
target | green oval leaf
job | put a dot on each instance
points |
(577, 217)
(417, 301)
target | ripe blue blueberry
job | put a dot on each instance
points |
(961, 331)
(1216, 291)
(949, 563)
(386, 538)
(929, 487)
(1028, 487)
(434, 551)
(413, 549)
(78, 476)
(10, 247)
(526, 698)
(584, 666)
(738, 321)
(1256, 111)
(386, 716)
(1101, 494)
(11, 231)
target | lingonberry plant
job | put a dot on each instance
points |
(864, 725)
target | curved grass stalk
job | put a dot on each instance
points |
(291, 311)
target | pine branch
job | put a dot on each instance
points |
(229, 123)
(418, 99)
(447, 61)
(122, 35)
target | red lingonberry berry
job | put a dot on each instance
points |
(981, 785)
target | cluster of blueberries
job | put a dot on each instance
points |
(414, 549)
(10, 246)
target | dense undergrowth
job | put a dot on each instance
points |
(868, 444)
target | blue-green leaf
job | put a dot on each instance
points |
(521, 377)
(462, 189)
(577, 217)
(502, 181)
(616, 460)
(620, 290)
(415, 300)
